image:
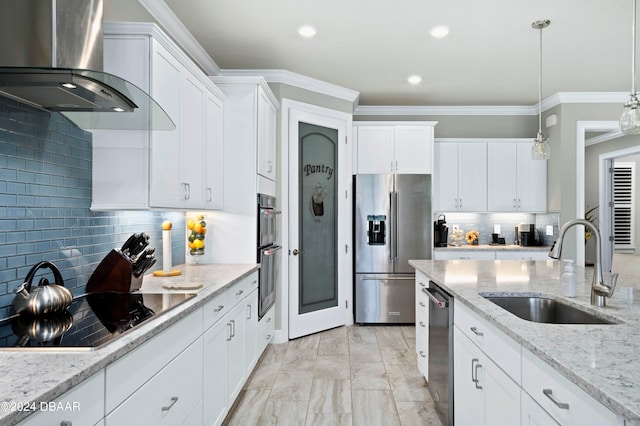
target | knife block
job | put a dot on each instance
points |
(114, 273)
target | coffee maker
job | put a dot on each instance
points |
(440, 232)
(528, 234)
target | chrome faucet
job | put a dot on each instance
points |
(599, 290)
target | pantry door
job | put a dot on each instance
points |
(317, 284)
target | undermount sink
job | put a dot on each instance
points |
(545, 310)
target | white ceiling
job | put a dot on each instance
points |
(371, 46)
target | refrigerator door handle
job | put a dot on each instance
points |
(395, 225)
(392, 225)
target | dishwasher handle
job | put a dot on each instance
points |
(440, 304)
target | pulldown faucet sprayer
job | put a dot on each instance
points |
(599, 290)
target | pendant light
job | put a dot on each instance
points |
(630, 119)
(540, 149)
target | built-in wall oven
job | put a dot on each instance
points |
(268, 253)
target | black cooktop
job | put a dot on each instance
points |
(91, 321)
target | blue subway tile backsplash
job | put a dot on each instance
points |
(45, 194)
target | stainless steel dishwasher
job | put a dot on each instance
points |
(441, 351)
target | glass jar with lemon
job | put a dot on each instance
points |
(196, 231)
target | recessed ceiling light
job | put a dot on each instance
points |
(414, 79)
(307, 31)
(69, 85)
(117, 109)
(439, 31)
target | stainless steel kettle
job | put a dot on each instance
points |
(45, 298)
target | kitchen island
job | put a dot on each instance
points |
(599, 359)
(30, 378)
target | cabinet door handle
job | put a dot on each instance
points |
(422, 354)
(268, 320)
(233, 324)
(269, 167)
(238, 293)
(422, 284)
(209, 195)
(174, 399)
(477, 381)
(473, 373)
(249, 313)
(549, 394)
(66, 423)
(219, 308)
(422, 304)
(230, 332)
(423, 325)
(476, 332)
(187, 190)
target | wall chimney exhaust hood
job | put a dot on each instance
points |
(52, 59)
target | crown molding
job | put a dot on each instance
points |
(165, 17)
(241, 80)
(299, 80)
(444, 110)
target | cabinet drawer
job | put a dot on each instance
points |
(242, 288)
(169, 397)
(545, 385)
(216, 308)
(464, 255)
(503, 350)
(130, 372)
(522, 255)
(83, 405)
(266, 330)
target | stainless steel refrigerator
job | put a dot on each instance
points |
(392, 224)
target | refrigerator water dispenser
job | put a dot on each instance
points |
(376, 232)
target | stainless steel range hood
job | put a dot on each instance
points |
(52, 59)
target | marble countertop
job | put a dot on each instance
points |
(59, 370)
(600, 359)
(494, 247)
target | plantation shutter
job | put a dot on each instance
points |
(623, 211)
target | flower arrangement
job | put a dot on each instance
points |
(472, 237)
(456, 236)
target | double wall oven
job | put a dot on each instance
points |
(268, 253)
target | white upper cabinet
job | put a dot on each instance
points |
(249, 138)
(394, 147)
(516, 182)
(460, 177)
(179, 169)
(266, 136)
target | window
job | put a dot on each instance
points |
(623, 205)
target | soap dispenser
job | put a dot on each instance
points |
(568, 279)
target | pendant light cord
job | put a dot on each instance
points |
(633, 51)
(540, 87)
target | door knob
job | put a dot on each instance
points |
(296, 252)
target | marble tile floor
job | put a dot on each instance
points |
(347, 376)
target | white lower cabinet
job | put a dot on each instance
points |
(464, 255)
(533, 414)
(484, 394)
(189, 374)
(82, 405)
(497, 382)
(216, 358)
(170, 397)
(482, 254)
(561, 399)
(230, 350)
(422, 325)
(487, 372)
(522, 255)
